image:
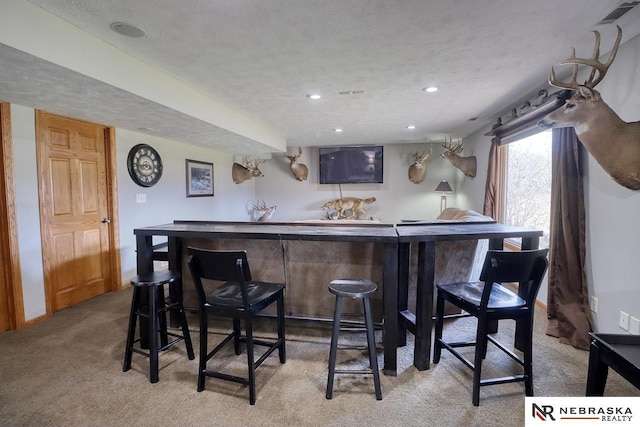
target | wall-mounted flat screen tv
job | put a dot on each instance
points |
(351, 165)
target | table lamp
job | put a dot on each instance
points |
(443, 188)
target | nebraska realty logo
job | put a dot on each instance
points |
(586, 410)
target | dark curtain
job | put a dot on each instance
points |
(493, 194)
(568, 313)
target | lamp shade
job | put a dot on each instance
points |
(443, 187)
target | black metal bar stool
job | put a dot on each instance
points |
(353, 288)
(148, 302)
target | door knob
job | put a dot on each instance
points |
(105, 220)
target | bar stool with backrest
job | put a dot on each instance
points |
(148, 303)
(488, 301)
(240, 299)
(353, 288)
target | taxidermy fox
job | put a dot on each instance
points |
(349, 203)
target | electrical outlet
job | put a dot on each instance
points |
(634, 326)
(624, 321)
(593, 304)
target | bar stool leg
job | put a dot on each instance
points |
(250, 361)
(282, 353)
(162, 315)
(335, 334)
(175, 294)
(204, 346)
(237, 333)
(133, 317)
(371, 344)
(185, 332)
(153, 336)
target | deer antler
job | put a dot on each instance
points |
(260, 206)
(252, 164)
(419, 158)
(455, 149)
(294, 157)
(593, 62)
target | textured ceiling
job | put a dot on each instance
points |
(260, 58)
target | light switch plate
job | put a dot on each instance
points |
(141, 198)
(634, 326)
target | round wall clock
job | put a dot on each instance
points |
(145, 165)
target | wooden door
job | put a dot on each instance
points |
(74, 209)
(5, 319)
(6, 309)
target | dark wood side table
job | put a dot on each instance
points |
(616, 351)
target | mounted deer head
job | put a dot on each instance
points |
(261, 212)
(467, 165)
(613, 143)
(300, 170)
(241, 173)
(417, 170)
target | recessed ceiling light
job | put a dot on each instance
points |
(411, 127)
(314, 96)
(430, 89)
(338, 129)
(127, 30)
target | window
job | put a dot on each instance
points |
(528, 183)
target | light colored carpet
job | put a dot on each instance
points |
(67, 371)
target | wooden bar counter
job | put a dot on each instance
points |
(427, 236)
(305, 256)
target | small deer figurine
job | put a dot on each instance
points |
(467, 165)
(261, 212)
(613, 143)
(241, 173)
(418, 170)
(300, 170)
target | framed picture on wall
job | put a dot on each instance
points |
(199, 178)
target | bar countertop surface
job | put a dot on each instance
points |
(409, 232)
(273, 230)
(334, 231)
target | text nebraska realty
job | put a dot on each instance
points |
(605, 413)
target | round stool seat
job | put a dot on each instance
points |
(354, 288)
(155, 278)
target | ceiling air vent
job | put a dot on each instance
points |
(351, 92)
(620, 10)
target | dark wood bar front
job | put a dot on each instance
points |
(311, 253)
(306, 256)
